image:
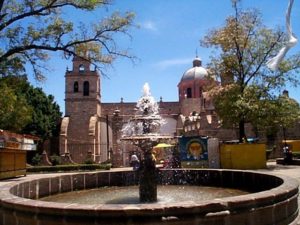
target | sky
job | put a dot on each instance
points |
(165, 44)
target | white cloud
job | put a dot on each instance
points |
(164, 64)
(149, 25)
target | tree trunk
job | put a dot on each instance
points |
(242, 133)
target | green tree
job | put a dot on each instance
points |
(43, 111)
(30, 30)
(243, 46)
(15, 112)
(287, 111)
(284, 112)
(46, 115)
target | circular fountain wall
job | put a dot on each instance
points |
(273, 200)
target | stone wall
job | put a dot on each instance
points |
(273, 200)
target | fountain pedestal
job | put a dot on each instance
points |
(148, 179)
(143, 130)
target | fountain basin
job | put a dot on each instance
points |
(273, 199)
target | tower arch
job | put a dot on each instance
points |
(75, 87)
(86, 88)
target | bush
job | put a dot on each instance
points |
(36, 160)
(70, 167)
(89, 161)
(55, 160)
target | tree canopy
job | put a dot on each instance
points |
(46, 115)
(249, 89)
(15, 112)
(27, 109)
(30, 30)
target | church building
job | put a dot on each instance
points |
(91, 130)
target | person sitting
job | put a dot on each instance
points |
(135, 162)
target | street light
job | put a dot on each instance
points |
(287, 153)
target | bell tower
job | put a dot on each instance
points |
(80, 129)
(82, 89)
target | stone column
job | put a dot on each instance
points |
(116, 154)
(213, 153)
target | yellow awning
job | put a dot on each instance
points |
(163, 145)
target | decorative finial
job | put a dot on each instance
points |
(196, 53)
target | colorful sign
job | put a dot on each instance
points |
(193, 148)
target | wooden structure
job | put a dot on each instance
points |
(243, 156)
(12, 163)
(13, 150)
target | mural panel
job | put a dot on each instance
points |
(193, 148)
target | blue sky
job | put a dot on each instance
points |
(165, 45)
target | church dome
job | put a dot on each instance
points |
(197, 72)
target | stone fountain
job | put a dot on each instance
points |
(143, 131)
(270, 199)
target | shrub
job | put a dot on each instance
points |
(70, 167)
(36, 160)
(55, 160)
(89, 161)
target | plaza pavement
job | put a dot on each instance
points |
(285, 170)
(272, 168)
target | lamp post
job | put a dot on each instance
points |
(287, 153)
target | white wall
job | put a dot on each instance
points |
(169, 127)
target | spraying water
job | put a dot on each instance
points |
(143, 131)
(147, 120)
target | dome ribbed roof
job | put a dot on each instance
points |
(196, 72)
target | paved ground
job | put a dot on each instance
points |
(272, 168)
(291, 171)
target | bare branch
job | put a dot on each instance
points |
(33, 42)
(43, 11)
(262, 62)
(1, 4)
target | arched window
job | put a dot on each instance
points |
(189, 92)
(81, 68)
(86, 88)
(75, 88)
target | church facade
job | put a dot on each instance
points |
(91, 130)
